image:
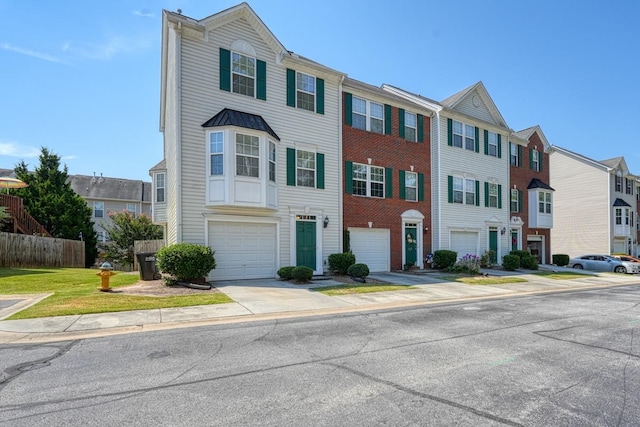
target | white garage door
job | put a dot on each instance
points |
(371, 246)
(464, 242)
(243, 250)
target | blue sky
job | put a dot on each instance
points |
(82, 78)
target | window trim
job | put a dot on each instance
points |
(160, 189)
(298, 168)
(254, 78)
(303, 91)
(492, 194)
(368, 180)
(367, 115)
(516, 201)
(272, 160)
(491, 143)
(407, 186)
(407, 127)
(247, 155)
(544, 205)
(464, 192)
(95, 209)
(212, 154)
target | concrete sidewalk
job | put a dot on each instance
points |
(273, 299)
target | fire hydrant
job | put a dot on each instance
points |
(105, 273)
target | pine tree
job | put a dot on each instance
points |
(50, 199)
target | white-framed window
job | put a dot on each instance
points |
(272, 161)
(411, 186)
(243, 71)
(627, 216)
(629, 186)
(305, 168)
(101, 236)
(216, 151)
(493, 195)
(493, 143)
(464, 190)
(513, 155)
(368, 180)
(133, 208)
(367, 115)
(410, 126)
(544, 202)
(247, 155)
(618, 184)
(514, 201)
(305, 91)
(464, 135)
(98, 209)
(638, 193)
(535, 160)
(618, 216)
(160, 187)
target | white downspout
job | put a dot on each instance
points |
(439, 181)
(340, 170)
(179, 133)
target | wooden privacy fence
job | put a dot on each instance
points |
(145, 246)
(24, 250)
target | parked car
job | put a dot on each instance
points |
(604, 263)
(628, 258)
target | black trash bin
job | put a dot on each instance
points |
(147, 265)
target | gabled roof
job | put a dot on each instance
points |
(581, 158)
(476, 89)
(103, 188)
(620, 202)
(161, 165)
(617, 163)
(536, 183)
(228, 117)
(425, 102)
(528, 132)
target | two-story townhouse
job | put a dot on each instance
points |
(636, 253)
(252, 146)
(469, 173)
(104, 195)
(387, 200)
(530, 195)
(594, 204)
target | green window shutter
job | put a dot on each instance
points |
(499, 146)
(291, 166)
(540, 160)
(225, 70)
(387, 119)
(499, 196)
(261, 89)
(477, 193)
(477, 139)
(319, 96)
(320, 171)
(348, 109)
(449, 134)
(401, 121)
(420, 128)
(486, 142)
(520, 201)
(519, 155)
(486, 194)
(531, 158)
(291, 87)
(420, 187)
(450, 189)
(403, 191)
(348, 177)
(388, 183)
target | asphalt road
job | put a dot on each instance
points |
(569, 359)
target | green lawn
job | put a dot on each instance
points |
(562, 275)
(364, 288)
(75, 291)
(483, 280)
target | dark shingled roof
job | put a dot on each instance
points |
(536, 183)
(620, 202)
(99, 187)
(228, 117)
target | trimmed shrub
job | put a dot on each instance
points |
(186, 261)
(468, 264)
(285, 272)
(301, 273)
(444, 258)
(486, 260)
(529, 262)
(560, 259)
(511, 262)
(340, 263)
(358, 270)
(520, 254)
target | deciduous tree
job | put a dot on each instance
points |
(125, 230)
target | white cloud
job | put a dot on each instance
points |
(13, 149)
(105, 51)
(144, 13)
(39, 55)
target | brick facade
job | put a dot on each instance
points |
(388, 151)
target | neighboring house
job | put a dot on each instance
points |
(105, 195)
(530, 195)
(469, 173)
(252, 147)
(387, 191)
(595, 208)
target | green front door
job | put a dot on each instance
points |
(410, 245)
(306, 244)
(514, 240)
(493, 245)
